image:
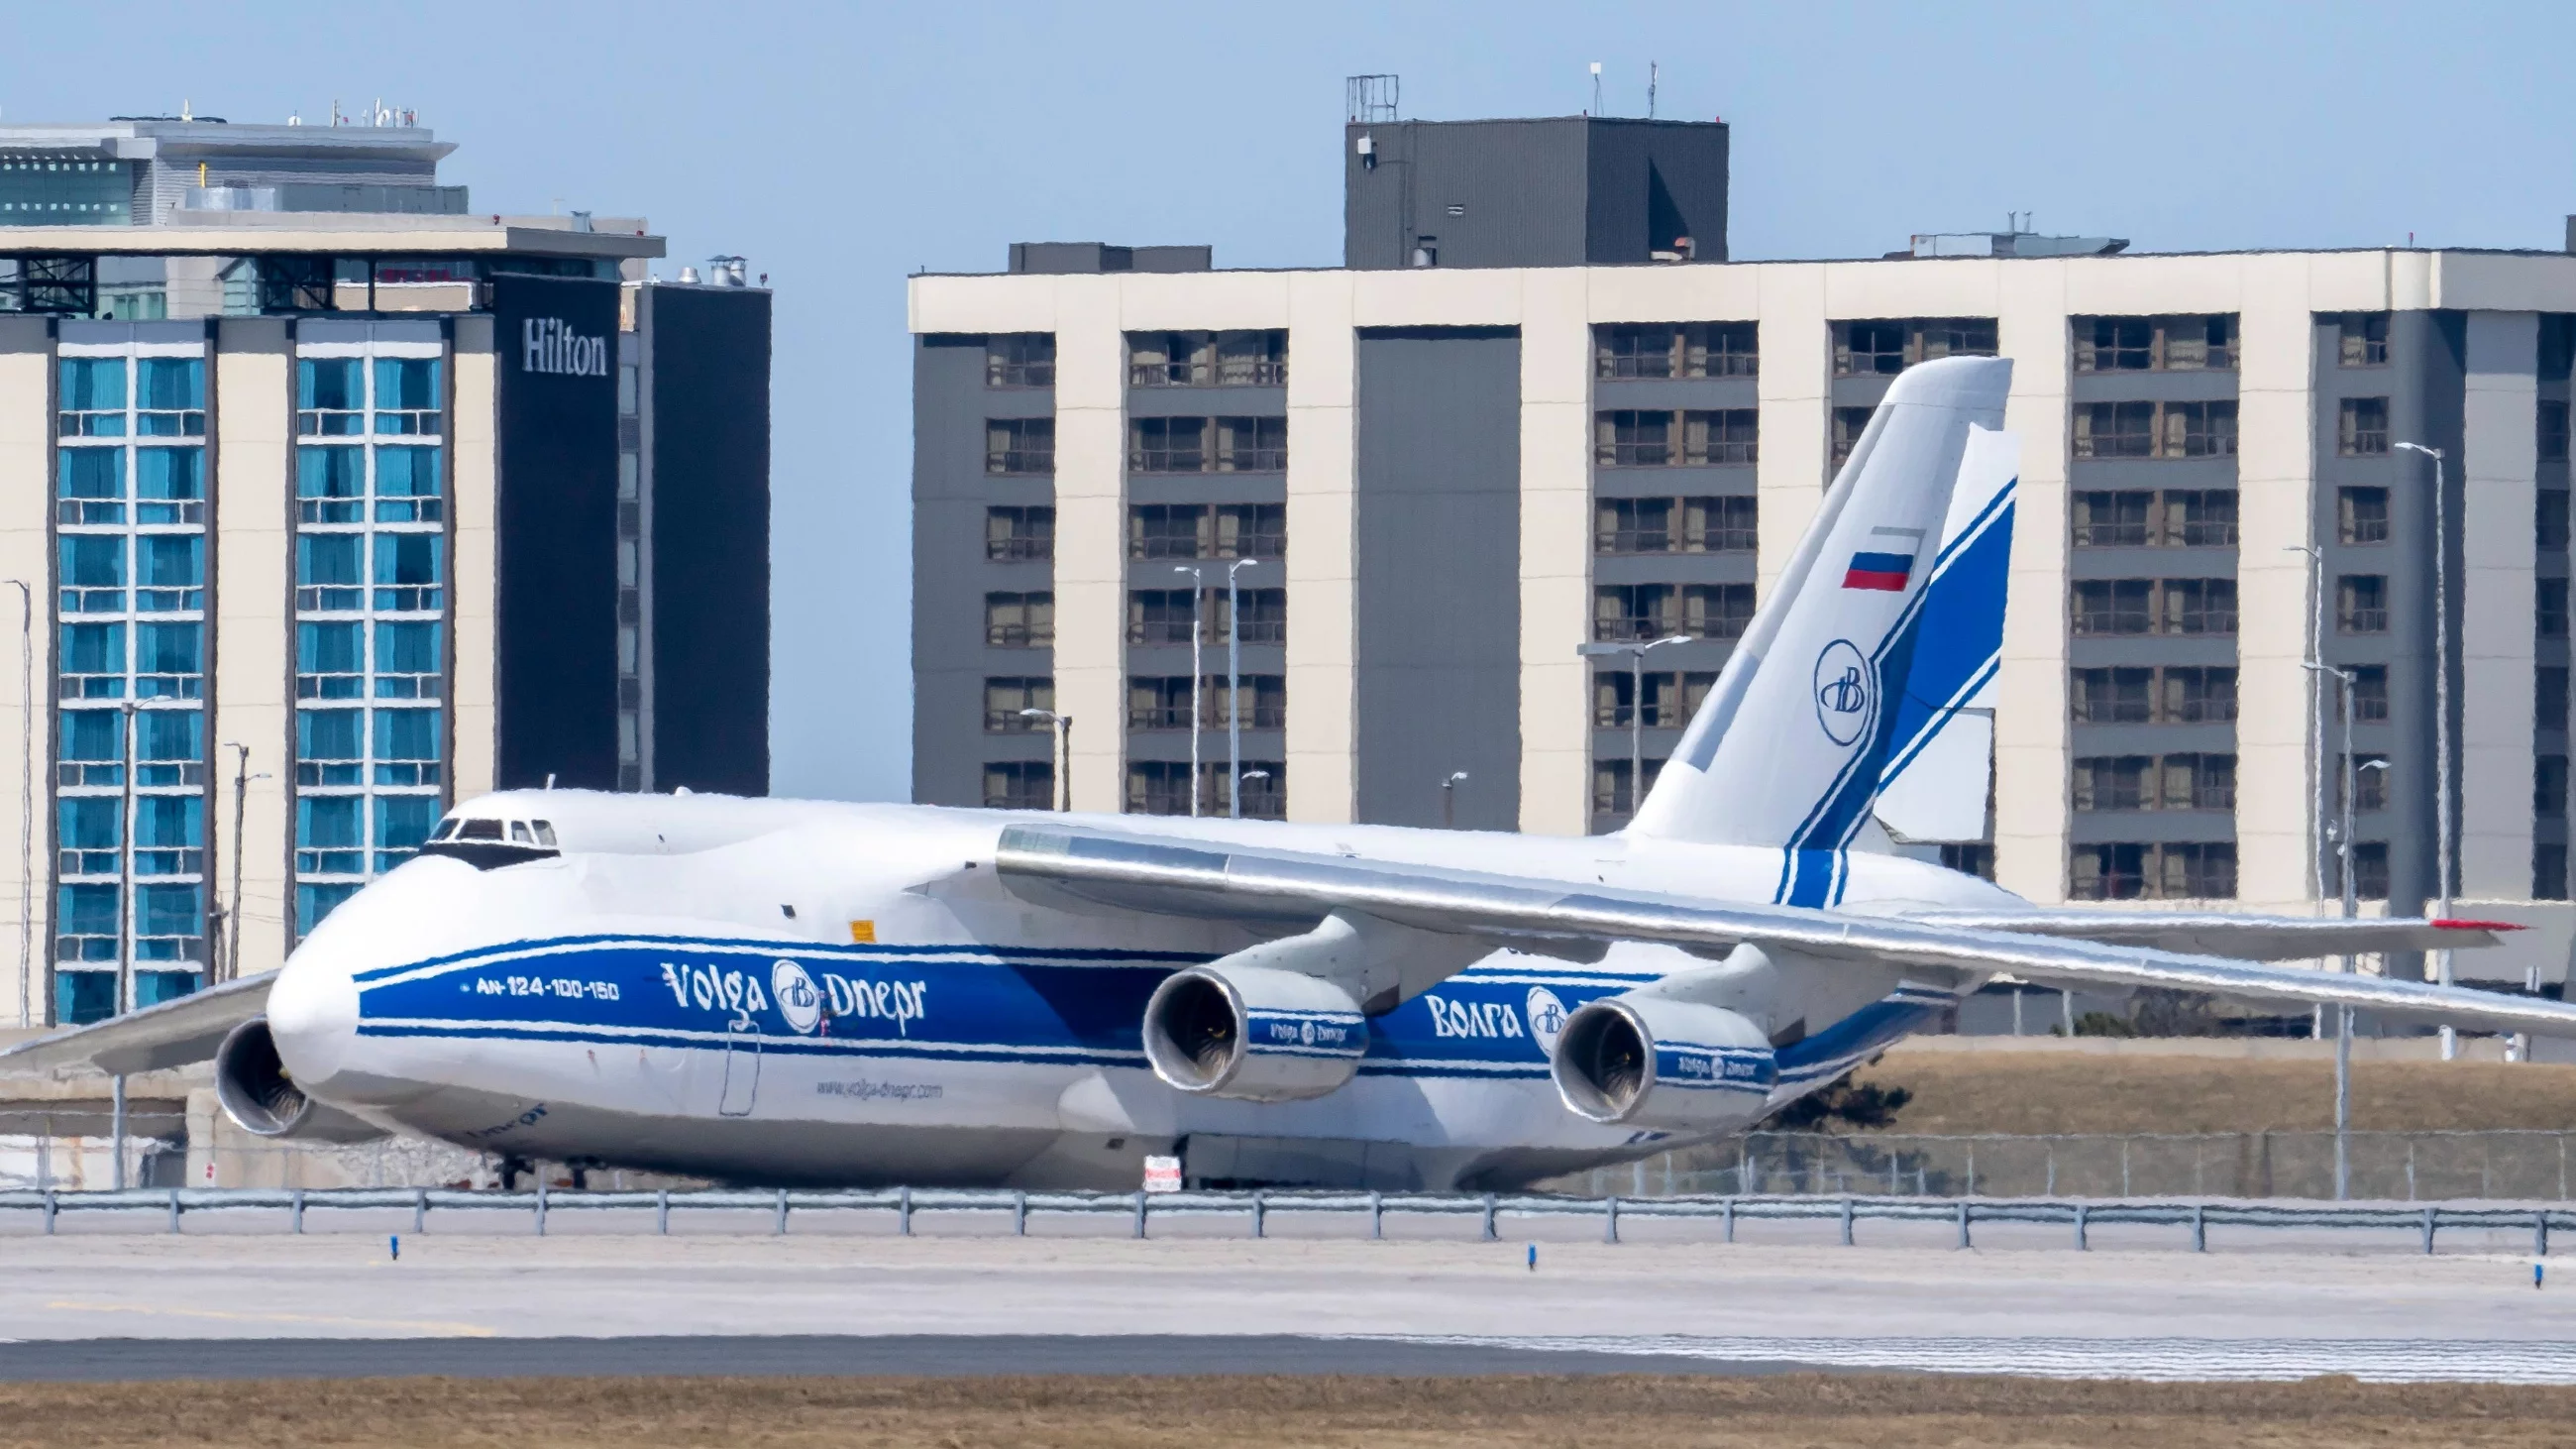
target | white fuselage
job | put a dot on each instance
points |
(786, 991)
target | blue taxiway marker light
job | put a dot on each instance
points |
(1533, 1257)
(2536, 1270)
(395, 1242)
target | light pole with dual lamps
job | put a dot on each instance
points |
(2441, 721)
(1636, 653)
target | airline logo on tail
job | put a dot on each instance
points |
(1883, 568)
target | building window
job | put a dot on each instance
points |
(1182, 445)
(2549, 519)
(2361, 515)
(2548, 787)
(1250, 530)
(1671, 699)
(1007, 698)
(1020, 359)
(2155, 344)
(2112, 520)
(2549, 697)
(1019, 535)
(1160, 616)
(131, 608)
(2369, 693)
(1019, 621)
(2550, 608)
(1648, 439)
(371, 599)
(1675, 349)
(2112, 696)
(1261, 699)
(1614, 792)
(1164, 787)
(2154, 606)
(1265, 616)
(1158, 702)
(2135, 518)
(2191, 871)
(2549, 872)
(1208, 359)
(1848, 425)
(1019, 445)
(1675, 525)
(2155, 430)
(2369, 870)
(2369, 774)
(1167, 530)
(2365, 340)
(2361, 427)
(2196, 695)
(1970, 859)
(2553, 430)
(2361, 604)
(1637, 612)
(1019, 785)
(1866, 349)
(2148, 782)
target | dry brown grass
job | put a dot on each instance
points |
(1878, 1411)
(2015, 1092)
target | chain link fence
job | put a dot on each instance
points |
(2524, 1166)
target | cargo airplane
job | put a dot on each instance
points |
(781, 991)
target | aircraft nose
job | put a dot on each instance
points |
(314, 1009)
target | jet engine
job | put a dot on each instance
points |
(261, 1097)
(1650, 1061)
(1257, 1033)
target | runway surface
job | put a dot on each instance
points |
(957, 1304)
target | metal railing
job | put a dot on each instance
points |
(1140, 1210)
(2528, 1165)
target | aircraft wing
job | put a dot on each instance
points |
(2244, 938)
(1172, 876)
(172, 1034)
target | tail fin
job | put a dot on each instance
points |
(1883, 626)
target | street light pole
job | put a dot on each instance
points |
(125, 877)
(2441, 722)
(1636, 653)
(1198, 592)
(26, 801)
(1449, 800)
(2350, 781)
(1233, 691)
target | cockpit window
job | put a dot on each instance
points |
(519, 833)
(446, 828)
(479, 830)
(545, 832)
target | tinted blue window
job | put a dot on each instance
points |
(328, 558)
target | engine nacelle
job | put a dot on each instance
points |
(1650, 1061)
(261, 1097)
(1256, 1033)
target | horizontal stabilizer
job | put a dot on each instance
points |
(2244, 938)
(173, 1034)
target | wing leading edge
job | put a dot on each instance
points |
(172, 1034)
(1175, 877)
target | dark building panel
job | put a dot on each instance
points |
(710, 538)
(2423, 381)
(952, 574)
(557, 531)
(1567, 191)
(1438, 588)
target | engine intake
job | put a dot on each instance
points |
(1254, 1033)
(1647, 1061)
(260, 1095)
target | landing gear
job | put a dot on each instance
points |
(510, 1169)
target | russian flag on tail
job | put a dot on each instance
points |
(1884, 568)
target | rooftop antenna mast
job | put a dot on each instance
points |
(1654, 74)
(1371, 100)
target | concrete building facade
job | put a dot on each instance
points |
(331, 509)
(1479, 471)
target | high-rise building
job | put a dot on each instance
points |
(331, 503)
(1443, 488)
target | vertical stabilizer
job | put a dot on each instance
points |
(1870, 643)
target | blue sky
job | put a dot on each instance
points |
(841, 147)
